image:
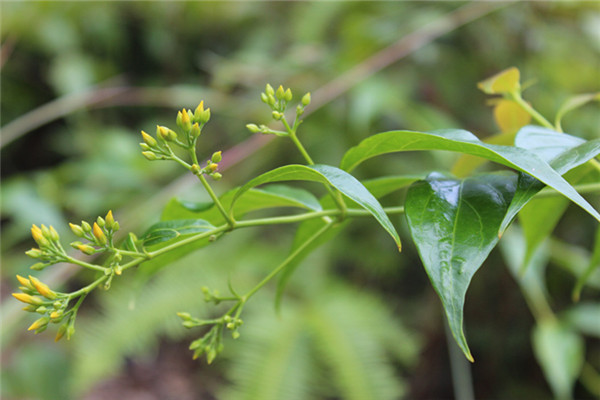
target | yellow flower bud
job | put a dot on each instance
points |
(34, 253)
(25, 298)
(42, 288)
(216, 157)
(56, 314)
(196, 169)
(109, 220)
(269, 90)
(99, 234)
(39, 323)
(77, 230)
(253, 128)
(149, 140)
(61, 332)
(25, 282)
(38, 236)
(150, 156)
(205, 116)
(287, 96)
(86, 249)
(53, 234)
(195, 131)
(186, 123)
(46, 232)
(306, 99)
(199, 110)
(280, 93)
(165, 133)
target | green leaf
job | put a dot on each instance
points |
(379, 187)
(563, 152)
(573, 103)
(584, 317)
(342, 181)
(593, 266)
(464, 142)
(454, 224)
(560, 353)
(167, 230)
(256, 199)
(506, 81)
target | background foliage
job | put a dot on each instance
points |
(97, 73)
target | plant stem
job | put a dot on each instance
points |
(460, 369)
(517, 98)
(84, 264)
(211, 193)
(88, 288)
(583, 188)
(285, 262)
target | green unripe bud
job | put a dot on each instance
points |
(253, 128)
(306, 99)
(53, 234)
(39, 266)
(150, 156)
(116, 226)
(184, 316)
(144, 147)
(217, 176)
(110, 220)
(227, 319)
(77, 230)
(70, 331)
(299, 110)
(230, 325)
(86, 249)
(100, 221)
(46, 232)
(287, 96)
(189, 324)
(41, 310)
(166, 134)
(185, 122)
(199, 110)
(196, 169)
(149, 140)
(205, 116)
(211, 355)
(235, 334)
(195, 131)
(269, 90)
(264, 98)
(87, 228)
(216, 157)
(40, 323)
(271, 100)
(61, 332)
(212, 167)
(34, 253)
(76, 244)
(280, 93)
(277, 115)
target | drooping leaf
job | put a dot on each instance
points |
(503, 82)
(560, 353)
(464, 142)
(167, 230)
(454, 225)
(379, 187)
(563, 152)
(326, 174)
(256, 199)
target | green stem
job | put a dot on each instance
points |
(213, 196)
(583, 188)
(85, 290)
(84, 264)
(285, 262)
(517, 98)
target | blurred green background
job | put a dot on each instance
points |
(80, 80)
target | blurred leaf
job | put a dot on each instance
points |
(594, 265)
(503, 82)
(344, 182)
(255, 199)
(466, 163)
(584, 318)
(560, 353)
(454, 224)
(464, 142)
(167, 230)
(573, 103)
(510, 116)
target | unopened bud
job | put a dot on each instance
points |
(205, 116)
(186, 123)
(99, 234)
(212, 167)
(39, 266)
(299, 110)
(276, 115)
(42, 288)
(195, 131)
(287, 96)
(235, 334)
(77, 230)
(39, 323)
(269, 90)
(56, 314)
(70, 331)
(53, 234)
(61, 332)
(25, 282)
(196, 169)
(271, 100)
(198, 111)
(116, 226)
(46, 232)
(230, 325)
(86, 227)
(26, 298)
(86, 249)
(217, 176)
(150, 156)
(118, 270)
(189, 324)
(253, 128)
(109, 220)
(166, 134)
(41, 310)
(149, 140)
(280, 93)
(264, 98)
(216, 157)
(38, 236)
(34, 253)
(184, 316)
(144, 147)
(306, 99)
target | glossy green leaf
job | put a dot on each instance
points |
(454, 224)
(464, 142)
(379, 187)
(255, 199)
(560, 353)
(342, 181)
(563, 152)
(167, 230)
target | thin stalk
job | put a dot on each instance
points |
(285, 262)
(84, 264)
(583, 188)
(517, 98)
(211, 193)
(86, 289)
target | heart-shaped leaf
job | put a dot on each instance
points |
(326, 174)
(454, 224)
(466, 143)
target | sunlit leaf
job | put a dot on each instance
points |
(342, 181)
(464, 142)
(510, 116)
(503, 82)
(454, 224)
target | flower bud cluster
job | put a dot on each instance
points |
(211, 167)
(99, 235)
(278, 101)
(51, 305)
(50, 250)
